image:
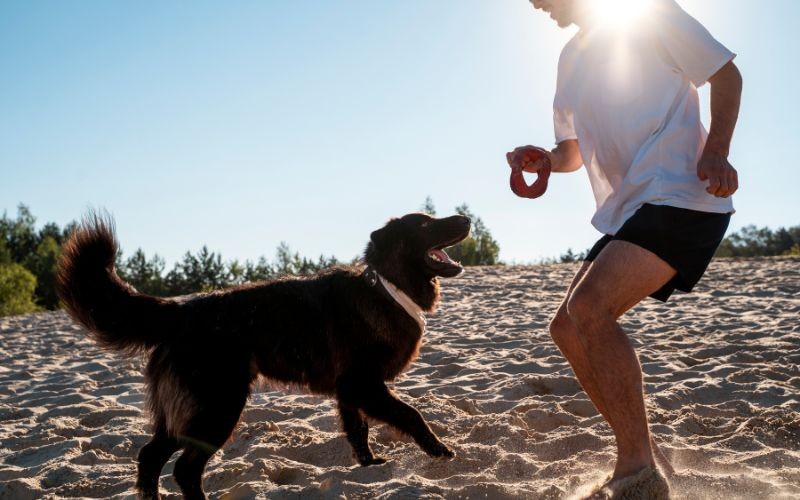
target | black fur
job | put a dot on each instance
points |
(333, 333)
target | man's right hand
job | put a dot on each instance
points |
(566, 157)
(529, 158)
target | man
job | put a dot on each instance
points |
(627, 108)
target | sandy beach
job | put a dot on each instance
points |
(721, 373)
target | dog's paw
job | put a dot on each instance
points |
(367, 461)
(439, 450)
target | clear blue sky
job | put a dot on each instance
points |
(243, 124)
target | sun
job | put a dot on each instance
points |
(620, 13)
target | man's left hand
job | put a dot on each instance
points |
(722, 178)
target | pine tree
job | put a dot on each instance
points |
(43, 266)
(428, 207)
(145, 275)
(479, 248)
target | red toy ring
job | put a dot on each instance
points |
(537, 189)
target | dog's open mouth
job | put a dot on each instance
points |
(438, 260)
(438, 256)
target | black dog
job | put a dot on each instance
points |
(343, 332)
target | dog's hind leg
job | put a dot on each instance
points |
(204, 433)
(189, 470)
(378, 402)
(357, 431)
(152, 458)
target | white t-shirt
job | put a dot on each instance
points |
(630, 99)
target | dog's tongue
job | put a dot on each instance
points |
(441, 256)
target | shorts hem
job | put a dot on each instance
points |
(684, 239)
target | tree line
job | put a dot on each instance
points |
(479, 248)
(28, 260)
(750, 241)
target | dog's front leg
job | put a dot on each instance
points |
(357, 430)
(378, 402)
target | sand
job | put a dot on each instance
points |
(721, 373)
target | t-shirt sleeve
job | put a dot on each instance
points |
(563, 121)
(563, 124)
(690, 46)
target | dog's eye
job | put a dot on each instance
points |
(425, 224)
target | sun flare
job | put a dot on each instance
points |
(620, 13)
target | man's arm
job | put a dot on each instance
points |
(726, 93)
(565, 157)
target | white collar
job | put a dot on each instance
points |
(411, 307)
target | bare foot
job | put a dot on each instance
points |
(661, 458)
(647, 484)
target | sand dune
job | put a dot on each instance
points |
(722, 377)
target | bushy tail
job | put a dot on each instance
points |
(116, 315)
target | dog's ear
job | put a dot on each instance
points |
(379, 237)
(382, 237)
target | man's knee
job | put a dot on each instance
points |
(562, 330)
(585, 307)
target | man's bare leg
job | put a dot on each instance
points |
(566, 337)
(621, 276)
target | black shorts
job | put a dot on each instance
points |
(684, 239)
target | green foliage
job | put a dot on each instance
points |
(751, 241)
(236, 272)
(51, 230)
(43, 265)
(144, 275)
(28, 259)
(291, 263)
(428, 207)
(570, 256)
(20, 234)
(37, 252)
(5, 253)
(259, 271)
(201, 273)
(479, 248)
(205, 271)
(17, 288)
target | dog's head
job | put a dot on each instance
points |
(410, 252)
